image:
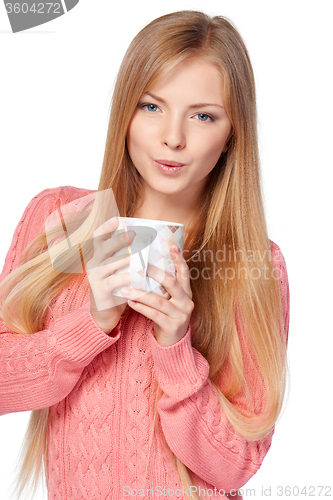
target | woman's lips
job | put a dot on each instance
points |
(169, 169)
(170, 163)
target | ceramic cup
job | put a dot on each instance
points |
(151, 245)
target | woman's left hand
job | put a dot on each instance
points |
(171, 317)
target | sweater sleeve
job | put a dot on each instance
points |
(40, 369)
(195, 427)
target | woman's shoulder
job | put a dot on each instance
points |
(277, 255)
(51, 199)
(39, 209)
(62, 193)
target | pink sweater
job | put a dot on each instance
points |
(100, 390)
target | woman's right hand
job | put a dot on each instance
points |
(105, 307)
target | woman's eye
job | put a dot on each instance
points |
(149, 107)
(203, 117)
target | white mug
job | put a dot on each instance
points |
(151, 245)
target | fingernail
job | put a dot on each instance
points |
(175, 249)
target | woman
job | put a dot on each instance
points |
(155, 396)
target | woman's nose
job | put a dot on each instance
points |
(173, 133)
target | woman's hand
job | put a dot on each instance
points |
(171, 317)
(106, 308)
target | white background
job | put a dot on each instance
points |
(55, 89)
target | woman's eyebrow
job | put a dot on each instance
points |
(197, 105)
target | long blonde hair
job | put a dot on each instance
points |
(232, 317)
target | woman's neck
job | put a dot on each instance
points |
(158, 206)
(164, 213)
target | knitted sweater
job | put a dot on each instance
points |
(101, 392)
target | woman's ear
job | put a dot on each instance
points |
(227, 144)
(230, 135)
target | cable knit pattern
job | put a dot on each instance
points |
(101, 392)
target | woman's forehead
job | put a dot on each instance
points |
(170, 70)
(199, 78)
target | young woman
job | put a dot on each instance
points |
(177, 395)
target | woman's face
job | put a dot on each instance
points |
(181, 119)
